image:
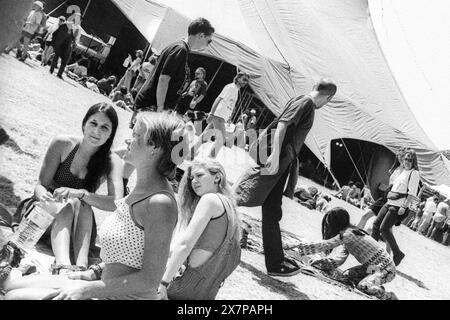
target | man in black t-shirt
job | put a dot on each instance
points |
(163, 88)
(263, 186)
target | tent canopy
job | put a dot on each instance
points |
(287, 45)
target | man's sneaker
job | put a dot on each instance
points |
(285, 270)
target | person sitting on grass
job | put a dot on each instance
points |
(208, 244)
(377, 266)
(122, 98)
(106, 85)
(135, 239)
(78, 69)
(306, 196)
(322, 203)
(72, 171)
(354, 196)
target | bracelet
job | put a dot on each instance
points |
(165, 283)
(97, 271)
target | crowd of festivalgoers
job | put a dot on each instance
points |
(183, 244)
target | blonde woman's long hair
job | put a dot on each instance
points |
(188, 199)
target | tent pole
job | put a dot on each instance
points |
(215, 74)
(85, 10)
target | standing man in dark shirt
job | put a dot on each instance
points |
(62, 43)
(264, 186)
(161, 91)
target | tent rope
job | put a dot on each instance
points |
(325, 162)
(348, 152)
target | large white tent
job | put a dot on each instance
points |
(286, 45)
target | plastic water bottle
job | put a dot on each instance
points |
(33, 226)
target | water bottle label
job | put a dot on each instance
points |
(40, 217)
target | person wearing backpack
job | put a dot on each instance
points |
(207, 247)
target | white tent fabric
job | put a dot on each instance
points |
(286, 45)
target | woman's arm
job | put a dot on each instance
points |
(115, 187)
(307, 248)
(159, 220)
(273, 160)
(208, 207)
(49, 167)
(102, 202)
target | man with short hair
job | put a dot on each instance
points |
(160, 92)
(31, 26)
(263, 185)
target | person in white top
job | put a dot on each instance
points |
(31, 26)
(221, 112)
(131, 71)
(403, 191)
(439, 218)
(428, 212)
(375, 208)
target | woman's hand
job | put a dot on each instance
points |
(74, 291)
(272, 164)
(401, 211)
(47, 196)
(64, 193)
(88, 275)
(162, 293)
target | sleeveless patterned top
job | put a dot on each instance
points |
(63, 176)
(122, 238)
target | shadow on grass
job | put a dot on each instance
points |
(17, 149)
(7, 196)
(287, 289)
(417, 282)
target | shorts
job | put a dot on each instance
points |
(377, 205)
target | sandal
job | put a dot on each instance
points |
(57, 268)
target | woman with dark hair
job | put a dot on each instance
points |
(404, 189)
(135, 239)
(376, 268)
(72, 171)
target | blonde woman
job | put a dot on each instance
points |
(135, 239)
(208, 246)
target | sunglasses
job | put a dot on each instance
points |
(408, 159)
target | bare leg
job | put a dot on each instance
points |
(82, 232)
(61, 234)
(366, 216)
(220, 134)
(34, 287)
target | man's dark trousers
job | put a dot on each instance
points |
(271, 216)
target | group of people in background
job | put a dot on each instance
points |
(432, 219)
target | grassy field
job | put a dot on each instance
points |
(35, 106)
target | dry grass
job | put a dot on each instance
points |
(35, 106)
